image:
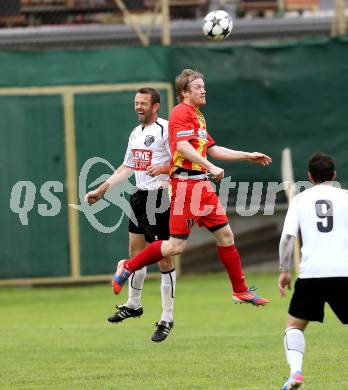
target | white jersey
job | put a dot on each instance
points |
(147, 146)
(321, 213)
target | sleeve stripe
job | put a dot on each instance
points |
(160, 127)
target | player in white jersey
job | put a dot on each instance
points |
(148, 157)
(321, 214)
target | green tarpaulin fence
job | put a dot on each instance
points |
(261, 97)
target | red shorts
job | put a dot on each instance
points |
(194, 201)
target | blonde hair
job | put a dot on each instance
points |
(183, 80)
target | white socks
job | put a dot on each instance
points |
(294, 345)
(135, 288)
(168, 285)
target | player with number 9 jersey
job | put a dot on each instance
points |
(321, 214)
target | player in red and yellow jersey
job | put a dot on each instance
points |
(194, 199)
(187, 123)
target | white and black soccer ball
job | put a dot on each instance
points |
(217, 25)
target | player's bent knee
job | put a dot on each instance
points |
(224, 236)
(175, 248)
(226, 242)
(226, 239)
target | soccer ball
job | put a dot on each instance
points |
(217, 25)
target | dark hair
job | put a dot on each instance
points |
(321, 167)
(183, 80)
(155, 95)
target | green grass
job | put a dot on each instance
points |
(58, 338)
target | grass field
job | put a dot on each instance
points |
(58, 338)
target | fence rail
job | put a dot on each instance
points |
(52, 12)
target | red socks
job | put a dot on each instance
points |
(229, 257)
(151, 254)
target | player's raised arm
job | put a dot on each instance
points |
(190, 153)
(226, 154)
(121, 174)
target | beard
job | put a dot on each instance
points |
(144, 118)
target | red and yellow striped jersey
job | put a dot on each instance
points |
(187, 123)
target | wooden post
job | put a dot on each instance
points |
(280, 6)
(288, 176)
(339, 21)
(165, 23)
(143, 38)
(72, 179)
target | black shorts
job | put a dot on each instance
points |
(310, 295)
(154, 226)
